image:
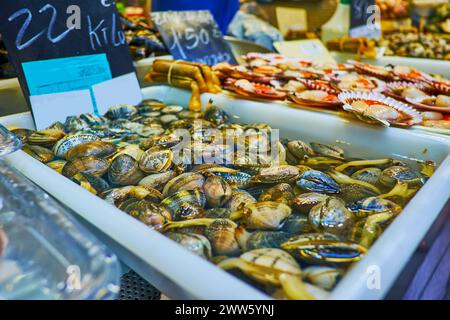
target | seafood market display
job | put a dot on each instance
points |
(197, 77)
(289, 217)
(380, 95)
(142, 40)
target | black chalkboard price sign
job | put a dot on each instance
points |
(364, 19)
(71, 56)
(193, 36)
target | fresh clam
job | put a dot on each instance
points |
(71, 141)
(266, 215)
(331, 216)
(390, 176)
(260, 239)
(239, 198)
(317, 181)
(300, 149)
(282, 193)
(369, 175)
(297, 224)
(57, 165)
(322, 276)
(157, 180)
(351, 192)
(304, 202)
(220, 232)
(375, 205)
(195, 243)
(147, 212)
(98, 149)
(91, 164)
(185, 181)
(121, 111)
(277, 174)
(154, 161)
(178, 201)
(118, 196)
(46, 137)
(323, 248)
(328, 150)
(274, 267)
(217, 191)
(41, 154)
(90, 182)
(124, 170)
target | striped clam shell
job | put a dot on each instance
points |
(347, 98)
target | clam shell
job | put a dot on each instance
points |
(70, 141)
(273, 259)
(348, 97)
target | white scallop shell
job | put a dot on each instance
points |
(396, 85)
(348, 97)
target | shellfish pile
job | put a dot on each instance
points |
(290, 224)
(380, 89)
(143, 40)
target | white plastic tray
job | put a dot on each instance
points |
(180, 274)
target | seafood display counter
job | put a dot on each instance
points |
(157, 258)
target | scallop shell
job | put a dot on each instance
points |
(314, 103)
(321, 85)
(443, 87)
(398, 85)
(348, 97)
(257, 90)
(391, 87)
(375, 71)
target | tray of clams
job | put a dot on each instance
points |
(243, 200)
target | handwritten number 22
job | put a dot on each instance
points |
(19, 39)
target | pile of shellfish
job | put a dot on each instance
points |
(390, 95)
(290, 221)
